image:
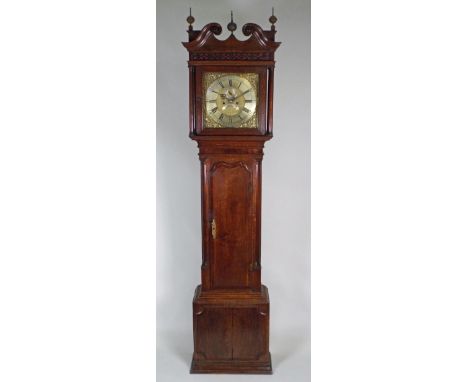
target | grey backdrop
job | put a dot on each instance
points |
(286, 189)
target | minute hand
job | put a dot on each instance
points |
(240, 95)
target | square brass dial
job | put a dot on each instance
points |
(230, 100)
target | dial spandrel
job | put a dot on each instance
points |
(230, 100)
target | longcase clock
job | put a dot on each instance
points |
(231, 117)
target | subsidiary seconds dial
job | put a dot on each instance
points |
(230, 100)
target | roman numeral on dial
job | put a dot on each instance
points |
(245, 110)
(214, 109)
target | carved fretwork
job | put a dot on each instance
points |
(226, 56)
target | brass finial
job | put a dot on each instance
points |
(232, 26)
(273, 19)
(190, 20)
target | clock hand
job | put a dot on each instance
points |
(240, 95)
(220, 94)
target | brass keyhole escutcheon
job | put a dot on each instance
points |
(213, 228)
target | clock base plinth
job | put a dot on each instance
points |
(231, 332)
(231, 367)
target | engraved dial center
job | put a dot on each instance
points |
(231, 102)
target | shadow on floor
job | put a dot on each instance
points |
(284, 347)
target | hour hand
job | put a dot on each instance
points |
(240, 95)
(220, 94)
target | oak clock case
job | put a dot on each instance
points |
(231, 118)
